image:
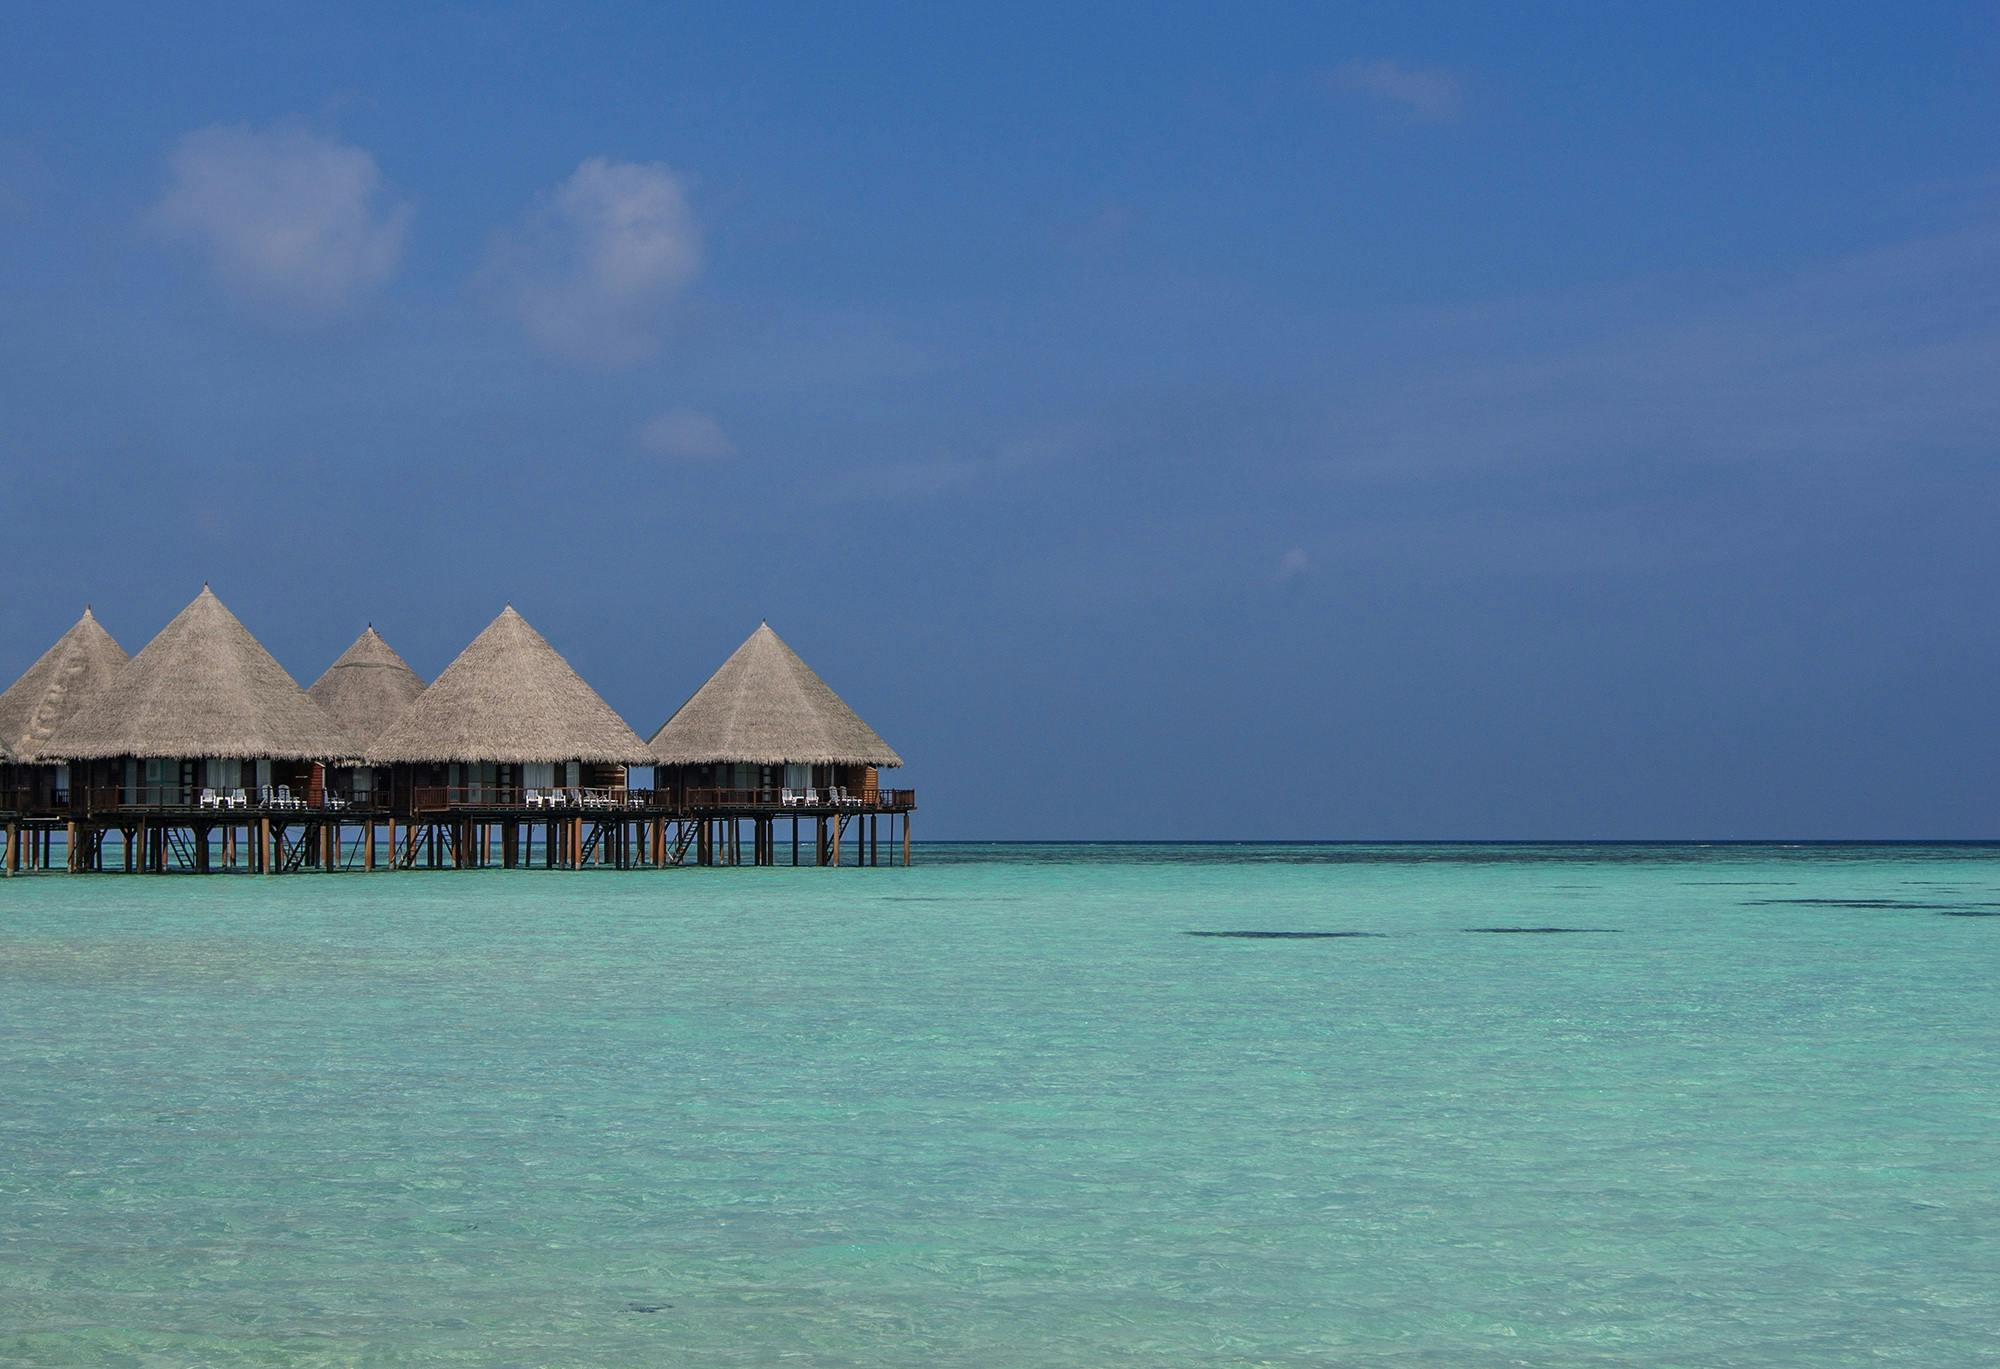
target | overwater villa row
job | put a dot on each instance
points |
(203, 754)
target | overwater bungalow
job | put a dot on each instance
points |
(766, 736)
(506, 755)
(203, 716)
(79, 667)
(508, 723)
(365, 691)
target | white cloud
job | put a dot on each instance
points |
(1429, 94)
(593, 266)
(284, 216)
(1293, 564)
(685, 435)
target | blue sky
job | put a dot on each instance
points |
(1198, 421)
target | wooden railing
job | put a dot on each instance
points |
(810, 800)
(442, 798)
(586, 799)
(439, 798)
(264, 802)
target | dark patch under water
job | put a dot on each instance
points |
(1864, 903)
(1536, 931)
(1286, 936)
(647, 1306)
(1969, 912)
(939, 898)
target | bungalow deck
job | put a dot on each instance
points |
(471, 829)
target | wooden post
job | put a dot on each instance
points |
(12, 863)
(906, 839)
(368, 855)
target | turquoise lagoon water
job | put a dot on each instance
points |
(1001, 1110)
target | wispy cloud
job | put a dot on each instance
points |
(1293, 564)
(594, 264)
(684, 435)
(1877, 356)
(1432, 95)
(285, 217)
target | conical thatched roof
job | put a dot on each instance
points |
(766, 707)
(509, 699)
(80, 666)
(368, 688)
(203, 687)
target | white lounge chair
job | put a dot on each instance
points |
(285, 799)
(209, 799)
(238, 799)
(789, 797)
(811, 799)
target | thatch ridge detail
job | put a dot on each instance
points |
(204, 686)
(80, 666)
(367, 688)
(510, 699)
(766, 706)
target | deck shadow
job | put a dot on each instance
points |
(1540, 931)
(1889, 903)
(1288, 936)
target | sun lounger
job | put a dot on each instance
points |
(209, 799)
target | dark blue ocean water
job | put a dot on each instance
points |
(1001, 1109)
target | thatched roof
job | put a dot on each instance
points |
(765, 706)
(203, 687)
(368, 688)
(509, 699)
(81, 665)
